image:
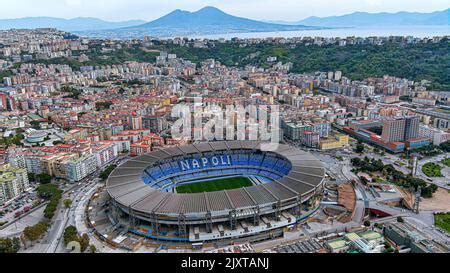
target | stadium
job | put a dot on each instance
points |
(215, 191)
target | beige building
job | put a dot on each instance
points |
(334, 142)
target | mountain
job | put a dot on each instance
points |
(208, 20)
(76, 24)
(380, 19)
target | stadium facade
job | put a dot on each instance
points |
(143, 194)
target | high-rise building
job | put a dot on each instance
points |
(156, 124)
(80, 168)
(295, 131)
(400, 129)
(136, 123)
(13, 182)
(323, 129)
(7, 81)
(411, 128)
(311, 139)
(3, 102)
(393, 130)
(338, 75)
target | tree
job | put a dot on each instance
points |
(73, 93)
(70, 235)
(46, 191)
(67, 203)
(104, 175)
(359, 148)
(92, 249)
(31, 177)
(35, 124)
(16, 244)
(33, 233)
(84, 242)
(44, 178)
(356, 161)
(20, 131)
(103, 105)
(389, 250)
(53, 193)
(445, 146)
(8, 245)
(378, 225)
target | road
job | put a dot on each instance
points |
(70, 215)
(443, 182)
(52, 240)
(78, 196)
(65, 221)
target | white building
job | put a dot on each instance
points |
(434, 134)
(105, 152)
(80, 168)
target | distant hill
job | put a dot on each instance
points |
(76, 24)
(380, 19)
(208, 20)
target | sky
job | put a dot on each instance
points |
(285, 10)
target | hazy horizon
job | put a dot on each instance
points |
(148, 10)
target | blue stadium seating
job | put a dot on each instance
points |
(266, 167)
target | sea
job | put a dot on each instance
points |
(415, 31)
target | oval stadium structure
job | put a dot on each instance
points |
(282, 184)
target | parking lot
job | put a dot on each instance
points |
(15, 208)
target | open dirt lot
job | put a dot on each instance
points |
(440, 201)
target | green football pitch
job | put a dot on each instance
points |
(215, 185)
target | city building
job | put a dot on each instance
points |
(409, 236)
(294, 131)
(105, 152)
(436, 135)
(411, 128)
(311, 139)
(13, 182)
(80, 168)
(334, 142)
(363, 242)
(393, 130)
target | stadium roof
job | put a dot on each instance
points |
(126, 185)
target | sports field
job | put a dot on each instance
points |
(215, 185)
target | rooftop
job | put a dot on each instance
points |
(352, 236)
(337, 243)
(371, 235)
(6, 177)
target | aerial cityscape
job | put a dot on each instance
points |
(196, 129)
